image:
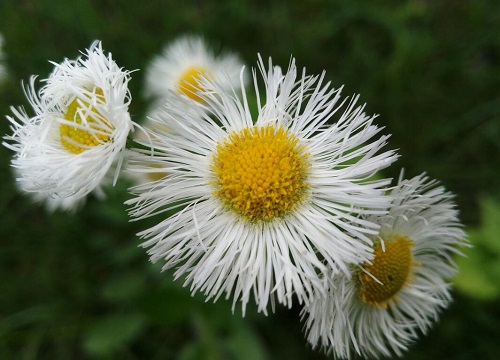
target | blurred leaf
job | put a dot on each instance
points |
(208, 337)
(479, 274)
(40, 313)
(473, 279)
(192, 351)
(113, 332)
(218, 314)
(244, 343)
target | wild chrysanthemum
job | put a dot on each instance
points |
(78, 132)
(186, 61)
(263, 202)
(387, 300)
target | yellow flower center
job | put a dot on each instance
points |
(89, 128)
(260, 173)
(157, 175)
(390, 267)
(188, 82)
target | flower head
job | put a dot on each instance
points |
(79, 130)
(184, 63)
(378, 310)
(148, 127)
(262, 203)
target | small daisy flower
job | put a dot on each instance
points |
(79, 130)
(264, 202)
(184, 63)
(379, 310)
(3, 71)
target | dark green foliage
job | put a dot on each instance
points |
(77, 286)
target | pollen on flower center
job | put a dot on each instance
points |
(188, 82)
(261, 172)
(391, 268)
(87, 129)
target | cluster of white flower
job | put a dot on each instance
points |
(279, 200)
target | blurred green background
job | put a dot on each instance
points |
(75, 286)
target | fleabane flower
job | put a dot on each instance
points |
(78, 132)
(184, 63)
(158, 169)
(264, 202)
(381, 308)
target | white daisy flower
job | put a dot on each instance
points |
(264, 203)
(379, 310)
(3, 71)
(158, 170)
(78, 132)
(186, 61)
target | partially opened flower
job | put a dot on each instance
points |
(78, 132)
(381, 308)
(264, 203)
(184, 63)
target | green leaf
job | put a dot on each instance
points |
(192, 351)
(244, 344)
(472, 278)
(113, 332)
(479, 274)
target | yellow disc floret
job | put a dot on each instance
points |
(261, 172)
(188, 82)
(157, 175)
(388, 272)
(89, 128)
